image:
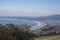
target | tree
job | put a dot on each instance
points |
(24, 28)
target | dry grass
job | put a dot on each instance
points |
(56, 37)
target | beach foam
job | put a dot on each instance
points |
(40, 24)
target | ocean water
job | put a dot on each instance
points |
(17, 21)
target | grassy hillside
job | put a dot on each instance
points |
(23, 32)
(55, 37)
(48, 33)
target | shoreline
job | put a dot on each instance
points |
(39, 25)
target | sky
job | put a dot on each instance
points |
(29, 7)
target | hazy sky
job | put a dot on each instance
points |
(29, 7)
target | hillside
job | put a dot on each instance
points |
(48, 33)
(55, 37)
(52, 17)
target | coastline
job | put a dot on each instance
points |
(40, 25)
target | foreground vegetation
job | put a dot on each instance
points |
(23, 32)
(48, 33)
(11, 32)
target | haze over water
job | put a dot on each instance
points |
(30, 8)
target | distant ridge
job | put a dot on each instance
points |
(52, 17)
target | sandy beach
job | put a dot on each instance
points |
(40, 24)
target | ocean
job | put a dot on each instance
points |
(17, 21)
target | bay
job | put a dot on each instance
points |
(17, 21)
